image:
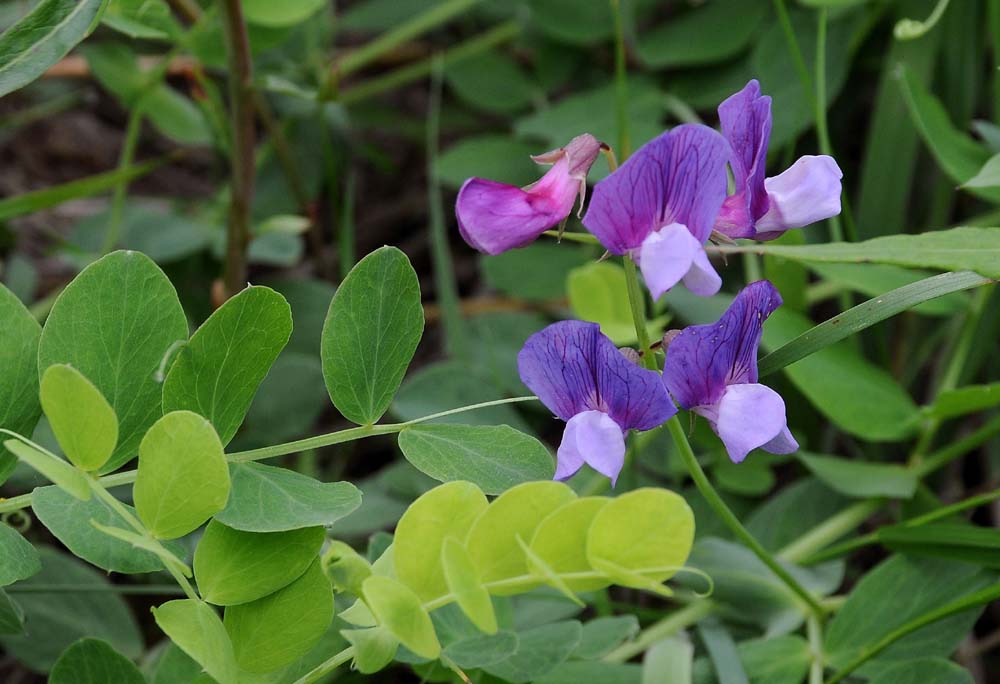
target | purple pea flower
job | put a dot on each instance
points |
(764, 208)
(581, 376)
(712, 370)
(660, 206)
(494, 217)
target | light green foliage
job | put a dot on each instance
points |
(282, 14)
(217, 373)
(706, 33)
(269, 499)
(639, 531)
(150, 19)
(957, 402)
(398, 609)
(495, 458)
(80, 416)
(482, 649)
(372, 329)
(374, 648)
(597, 292)
(492, 541)
(445, 512)
(42, 38)
(988, 176)
(539, 651)
(466, 587)
(92, 661)
(77, 605)
(346, 568)
(183, 478)
(860, 479)
(53, 468)
(19, 407)
(234, 567)
(114, 323)
(668, 661)
(18, 558)
(281, 627)
(561, 540)
(70, 520)
(196, 628)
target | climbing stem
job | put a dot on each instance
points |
(637, 303)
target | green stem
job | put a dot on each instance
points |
(822, 130)
(621, 83)
(815, 632)
(830, 530)
(132, 130)
(974, 599)
(326, 667)
(668, 626)
(732, 522)
(585, 238)
(390, 40)
(795, 50)
(637, 302)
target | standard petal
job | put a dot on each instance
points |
(573, 368)
(703, 359)
(495, 217)
(745, 118)
(591, 437)
(750, 416)
(678, 177)
(807, 192)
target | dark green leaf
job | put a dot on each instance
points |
(537, 272)
(539, 651)
(11, 615)
(482, 649)
(876, 279)
(708, 33)
(969, 543)
(495, 157)
(18, 558)
(601, 635)
(923, 671)
(19, 406)
(859, 479)
(92, 661)
(958, 402)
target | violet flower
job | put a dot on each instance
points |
(581, 376)
(764, 208)
(712, 370)
(494, 217)
(660, 205)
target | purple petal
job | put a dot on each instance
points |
(495, 217)
(703, 359)
(750, 416)
(591, 437)
(745, 118)
(807, 192)
(678, 177)
(573, 368)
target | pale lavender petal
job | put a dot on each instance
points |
(573, 368)
(591, 437)
(702, 278)
(666, 256)
(678, 177)
(784, 443)
(703, 359)
(807, 192)
(745, 118)
(750, 416)
(495, 217)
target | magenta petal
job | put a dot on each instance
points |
(807, 192)
(745, 118)
(495, 217)
(573, 368)
(703, 359)
(678, 177)
(591, 437)
(750, 416)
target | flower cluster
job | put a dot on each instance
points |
(660, 209)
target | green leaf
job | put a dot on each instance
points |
(923, 671)
(867, 314)
(561, 540)
(196, 628)
(707, 33)
(722, 651)
(493, 82)
(753, 478)
(988, 176)
(641, 538)
(496, 157)
(668, 661)
(53, 468)
(146, 20)
(495, 458)
(234, 567)
(19, 407)
(859, 479)
(447, 511)
(477, 651)
(92, 661)
(597, 292)
(145, 543)
(892, 594)
(115, 324)
(492, 540)
(465, 585)
(309, 300)
(374, 648)
(539, 651)
(219, 370)
(18, 558)
(372, 329)
(69, 520)
(875, 280)
(793, 511)
(958, 402)
(537, 272)
(264, 498)
(42, 38)
(958, 155)
(73, 602)
(183, 479)
(781, 660)
(602, 635)
(961, 542)
(280, 14)
(576, 671)
(571, 22)
(280, 628)
(11, 616)
(81, 418)
(398, 609)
